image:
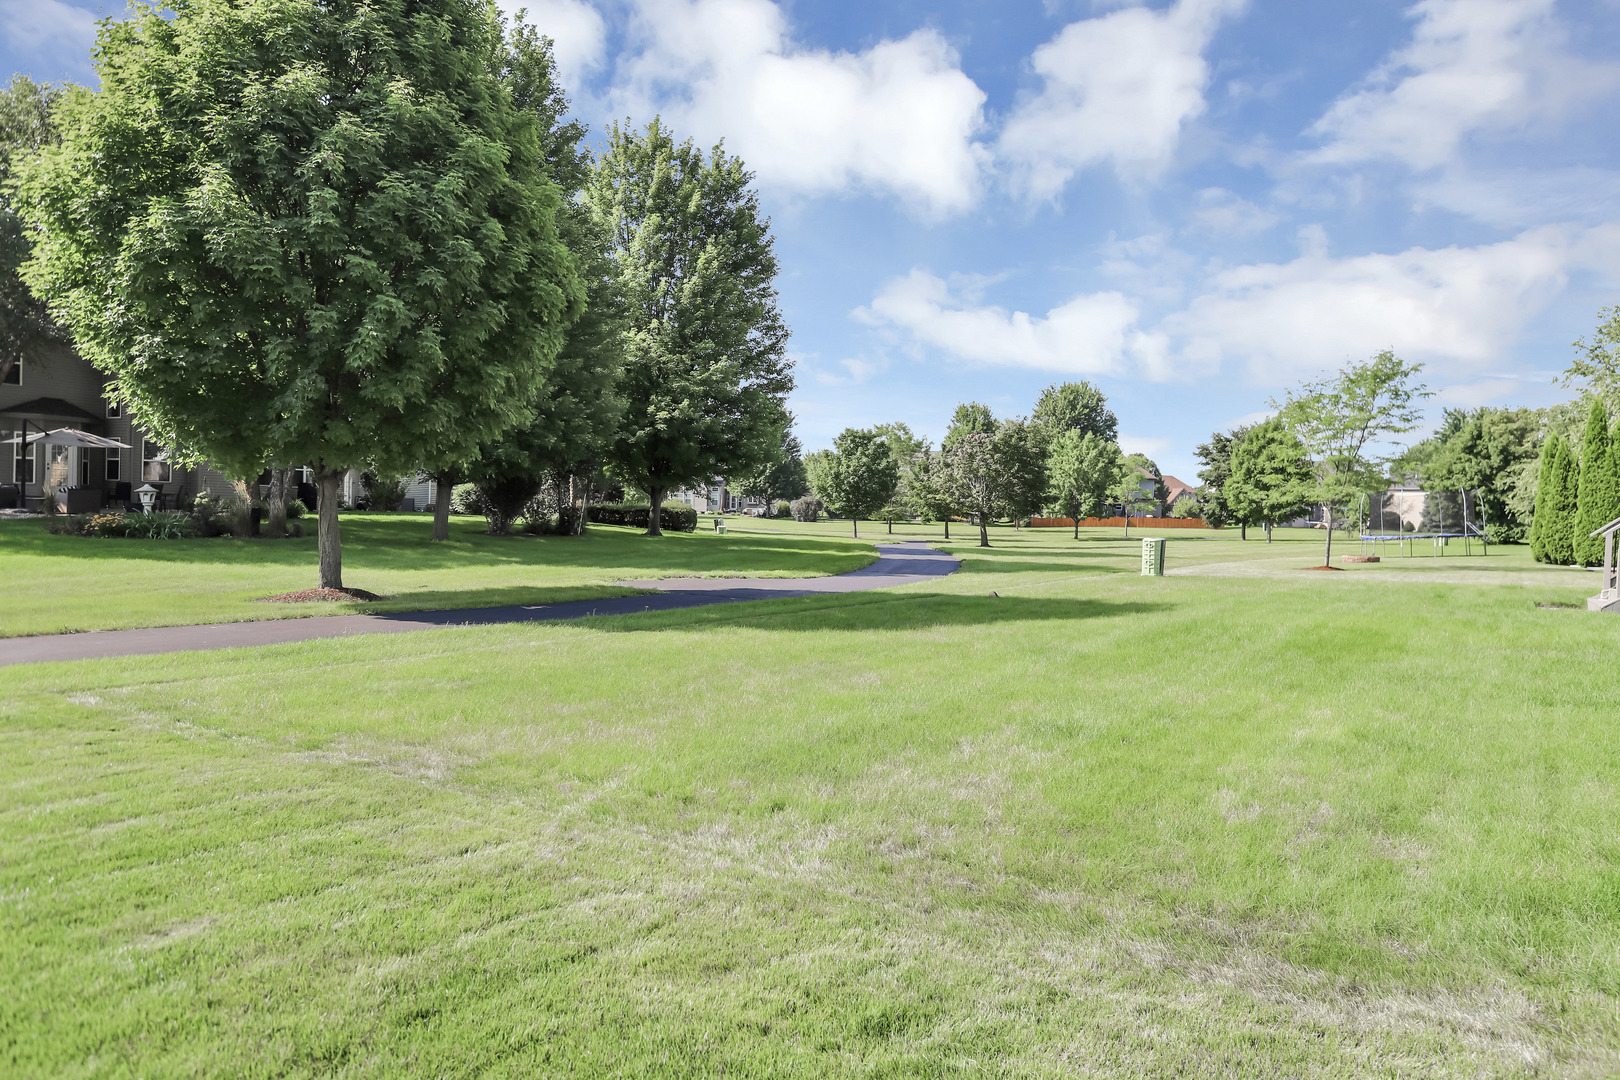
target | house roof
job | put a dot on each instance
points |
(1177, 488)
(49, 406)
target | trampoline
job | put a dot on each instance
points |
(1410, 518)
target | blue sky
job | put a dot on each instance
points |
(1195, 205)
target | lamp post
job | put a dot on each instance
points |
(148, 495)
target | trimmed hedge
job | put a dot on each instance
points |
(675, 517)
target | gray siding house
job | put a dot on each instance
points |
(60, 389)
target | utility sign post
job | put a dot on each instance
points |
(1153, 557)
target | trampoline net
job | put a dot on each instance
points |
(1422, 513)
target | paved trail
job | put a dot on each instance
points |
(897, 564)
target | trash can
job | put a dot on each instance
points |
(719, 526)
(1153, 557)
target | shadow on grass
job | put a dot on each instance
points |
(378, 542)
(871, 611)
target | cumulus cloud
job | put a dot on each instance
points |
(1090, 335)
(1471, 65)
(1219, 212)
(576, 28)
(899, 117)
(1114, 89)
(1460, 308)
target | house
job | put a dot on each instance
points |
(1178, 490)
(57, 388)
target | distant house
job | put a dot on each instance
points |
(1178, 490)
(717, 498)
(59, 389)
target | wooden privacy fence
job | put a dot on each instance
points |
(1119, 523)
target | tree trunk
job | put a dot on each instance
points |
(1243, 530)
(657, 497)
(984, 530)
(1327, 555)
(891, 526)
(947, 526)
(1077, 526)
(1268, 532)
(331, 547)
(855, 526)
(445, 483)
(275, 525)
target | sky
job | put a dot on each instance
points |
(1195, 205)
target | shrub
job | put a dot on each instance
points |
(783, 509)
(295, 509)
(675, 517)
(465, 499)
(808, 508)
(382, 492)
(159, 525)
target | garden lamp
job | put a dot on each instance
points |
(148, 495)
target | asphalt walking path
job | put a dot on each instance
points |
(897, 564)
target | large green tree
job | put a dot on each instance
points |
(1484, 451)
(576, 408)
(1597, 500)
(1082, 468)
(1074, 406)
(1216, 456)
(999, 472)
(1552, 531)
(1340, 420)
(858, 476)
(25, 128)
(706, 365)
(1271, 477)
(301, 231)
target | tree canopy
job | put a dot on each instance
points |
(706, 366)
(306, 233)
(25, 128)
(782, 476)
(1271, 477)
(1216, 456)
(1339, 419)
(858, 476)
(1074, 406)
(1082, 469)
(999, 472)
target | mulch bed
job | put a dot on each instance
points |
(1339, 568)
(304, 596)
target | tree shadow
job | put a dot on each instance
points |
(377, 542)
(861, 612)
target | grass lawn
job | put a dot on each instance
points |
(1224, 823)
(68, 583)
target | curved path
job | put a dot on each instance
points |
(897, 564)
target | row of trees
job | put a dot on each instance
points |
(346, 236)
(1063, 458)
(1550, 476)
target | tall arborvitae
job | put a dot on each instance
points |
(1598, 501)
(1538, 524)
(1558, 524)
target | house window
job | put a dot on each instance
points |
(115, 466)
(115, 409)
(155, 467)
(14, 376)
(22, 457)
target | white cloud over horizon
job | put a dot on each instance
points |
(577, 30)
(1117, 89)
(1089, 335)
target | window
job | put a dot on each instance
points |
(14, 376)
(21, 458)
(155, 467)
(115, 466)
(115, 409)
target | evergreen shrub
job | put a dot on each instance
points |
(672, 516)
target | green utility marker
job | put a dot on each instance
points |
(1153, 557)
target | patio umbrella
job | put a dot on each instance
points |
(72, 437)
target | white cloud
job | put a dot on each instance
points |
(1471, 65)
(898, 117)
(576, 28)
(1143, 444)
(1089, 335)
(1221, 213)
(47, 24)
(1114, 89)
(1457, 308)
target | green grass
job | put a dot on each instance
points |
(1279, 823)
(68, 583)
